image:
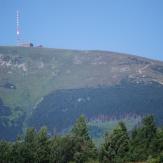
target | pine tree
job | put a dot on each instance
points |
(143, 140)
(5, 151)
(42, 146)
(80, 128)
(61, 149)
(30, 146)
(17, 154)
(116, 145)
(84, 149)
(24, 149)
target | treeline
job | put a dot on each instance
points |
(144, 143)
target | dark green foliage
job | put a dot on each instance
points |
(42, 146)
(5, 151)
(30, 145)
(143, 140)
(18, 152)
(143, 144)
(116, 145)
(116, 101)
(24, 149)
(38, 147)
(80, 128)
(84, 149)
(61, 149)
(158, 141)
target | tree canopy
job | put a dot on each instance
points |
(143, 143)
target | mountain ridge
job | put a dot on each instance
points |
(84, 50)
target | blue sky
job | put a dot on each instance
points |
(129, 26)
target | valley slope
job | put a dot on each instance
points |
(52, 87)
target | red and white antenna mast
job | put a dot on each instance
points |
(18, 27)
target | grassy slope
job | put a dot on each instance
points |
(35, 75)
(36, 72)
(39, 71)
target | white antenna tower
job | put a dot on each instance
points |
(17, 27)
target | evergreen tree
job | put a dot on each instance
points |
(145, 144)
(80, 128)
(17, 154)
(159, 141)
(61, 149)
(149, 128)
(143, 140)
(84, 149)
(116, 145)
(30, 147)
(42, 146)
(5, 151)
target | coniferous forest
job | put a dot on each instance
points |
(143, 144)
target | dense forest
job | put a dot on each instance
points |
(143, 144)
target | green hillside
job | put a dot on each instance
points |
(35, 82)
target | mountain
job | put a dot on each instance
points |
(52, 87)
